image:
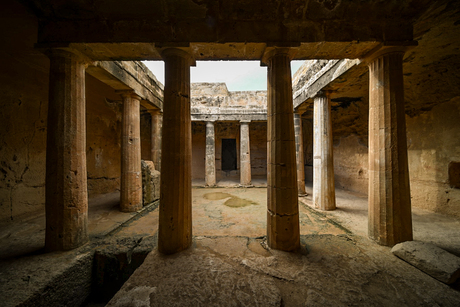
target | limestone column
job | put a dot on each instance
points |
(66, 177)
(131, 174)
(299, 153)
(283, 212)
(323, 162)
(210, 155)
(157, 121)
(245, 154)
(390, 220)
(175, 221)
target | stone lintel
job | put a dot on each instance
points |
(330, 74)
(123, 75)
(227, 117)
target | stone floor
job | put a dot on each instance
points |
(231, 265)
(232, 181)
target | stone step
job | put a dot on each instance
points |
(430, 259)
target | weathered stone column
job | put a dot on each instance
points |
(323, 162)
(245, 154)
(299, 153)
(66, 178)
(283, 212)
(390, 220)
(157, 122)
(210, 155)
(175, 224)
(131, 174)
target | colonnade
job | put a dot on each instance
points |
(66, 183)
(66, 197)
(245, 154)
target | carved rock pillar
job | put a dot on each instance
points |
(175, 221)
(390, 220)
(66, 177)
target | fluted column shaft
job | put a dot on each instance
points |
(283, 212)
(157, 122)
(66, 177)
(245, 154)
(299, 153)
(323, 162)
(390, 220)
(210, 159)
(131, 174)
(175, 221)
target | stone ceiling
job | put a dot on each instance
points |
(213, 29)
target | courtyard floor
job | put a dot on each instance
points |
(230, 264)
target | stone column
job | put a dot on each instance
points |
(299, 153)
(66, 177)
(245, 154)
(131, 174)
(283, 212)
(175, 221)
(390, 220)
(323, 162)
(157, 122)
(210, 155)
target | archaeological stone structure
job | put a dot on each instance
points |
(92, 145)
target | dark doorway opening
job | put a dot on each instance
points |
(229, 154)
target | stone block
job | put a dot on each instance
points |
(150, 182)
(430, 259)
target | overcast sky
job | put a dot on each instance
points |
(239, 75)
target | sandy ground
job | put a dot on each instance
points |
(230, 264)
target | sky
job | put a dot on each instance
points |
(238, 75)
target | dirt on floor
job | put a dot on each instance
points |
(230, 263)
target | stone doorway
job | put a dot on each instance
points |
(229, 155)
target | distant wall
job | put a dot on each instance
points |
(103, 137)
(433, 143)
(229, 130)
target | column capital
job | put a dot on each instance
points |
(298, 111)
(323, 94)
(270, 52)
(183, 52)
(245, 121)
(154, 111)
(128, 93)
(65, 52)
(382, 50)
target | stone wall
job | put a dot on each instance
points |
(433, 143)
(229, 130)
(103, 137)
(146, 140)
(23, 121)
(23, 114)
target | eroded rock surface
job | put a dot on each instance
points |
(150, 182)
(431, 259)
(342, 270)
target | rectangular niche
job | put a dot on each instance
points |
(229, 158)
(454, 174)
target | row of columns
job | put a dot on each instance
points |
(245, 154)
(66, 183)
(66, 201)
(389, 215)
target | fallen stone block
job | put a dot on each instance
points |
(150, 182)
(430, 259)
